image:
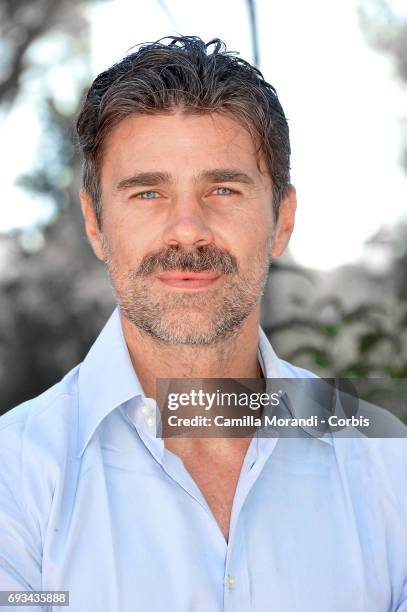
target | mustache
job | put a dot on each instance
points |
(209, 258)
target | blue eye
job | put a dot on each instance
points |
(148, 195)
(224, 191)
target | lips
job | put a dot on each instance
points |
(188, 280)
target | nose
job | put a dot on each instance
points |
(187, 225)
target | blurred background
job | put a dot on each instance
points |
(337, 302)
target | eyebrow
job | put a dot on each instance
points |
(141, 179)
(215, 175)
(226, 175)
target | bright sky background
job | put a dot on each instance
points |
(341, 98)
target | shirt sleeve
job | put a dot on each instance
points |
(20, 550)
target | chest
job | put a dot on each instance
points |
(217, 482)
(215, 468)
(296, 534)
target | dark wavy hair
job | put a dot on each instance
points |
(184, 72)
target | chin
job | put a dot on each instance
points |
(192, 330)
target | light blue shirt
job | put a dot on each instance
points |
(92, 502)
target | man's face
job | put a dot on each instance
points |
(187, 225)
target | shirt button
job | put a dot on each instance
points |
(145, 409)
(150, 422)
(230, 581)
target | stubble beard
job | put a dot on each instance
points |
(184, 317)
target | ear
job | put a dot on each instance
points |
(91, 225)
(285, 223)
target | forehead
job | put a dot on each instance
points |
(181, 145)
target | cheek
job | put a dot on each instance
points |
(255, 238)
(120, 248)
(131, 234)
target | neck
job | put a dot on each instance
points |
(234, 356)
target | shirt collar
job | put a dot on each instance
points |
(269, 362)
(273, 367)
(107, 378)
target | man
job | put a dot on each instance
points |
(187, 198)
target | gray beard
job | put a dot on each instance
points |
(185, 318)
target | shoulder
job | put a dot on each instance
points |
(376, 461)
(35, 439)
(41, 424)
(374, 472)
(37, 443)
(382, 453)
(32, 408)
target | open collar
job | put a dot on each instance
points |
(108, 380)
